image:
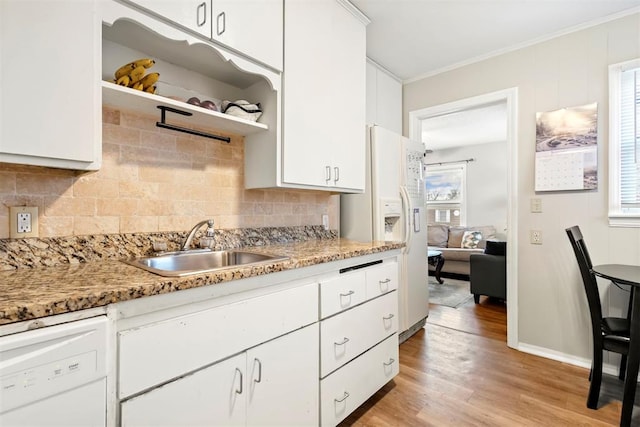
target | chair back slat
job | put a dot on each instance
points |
(588, 277)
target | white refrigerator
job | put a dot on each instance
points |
(392, 208)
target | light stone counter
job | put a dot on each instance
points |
(31, 293)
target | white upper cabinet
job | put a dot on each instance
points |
(50, 112)
(384, 99)
(253, 27)
(192, 14)
(322, 143)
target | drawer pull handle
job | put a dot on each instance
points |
(222, 18)
(344, 397)
(389, 363)
(344, 341)
(239, 391)
(389, 317)
(384, 282)
(259, 379)
(347, 294)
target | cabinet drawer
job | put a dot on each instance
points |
(382, 279)
(345, 336)
(347, 388)
(165, 350)
(342, 292)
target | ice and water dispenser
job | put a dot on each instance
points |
(393, 222)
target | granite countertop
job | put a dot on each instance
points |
(27, 294)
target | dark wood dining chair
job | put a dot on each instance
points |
(609, 333)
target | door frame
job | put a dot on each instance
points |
(510, 96)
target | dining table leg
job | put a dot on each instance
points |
(633, 360)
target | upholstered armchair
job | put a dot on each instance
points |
(488, 271)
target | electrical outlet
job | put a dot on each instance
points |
(23, 221)
(536, 205)
(325, 221)
(536, 237)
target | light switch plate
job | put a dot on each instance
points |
(536, 205)
(23, 221)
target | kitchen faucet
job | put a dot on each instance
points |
(186, 245)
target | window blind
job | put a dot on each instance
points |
(630, 141)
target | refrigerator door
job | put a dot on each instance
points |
(414, 298)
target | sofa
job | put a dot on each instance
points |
(456, 252)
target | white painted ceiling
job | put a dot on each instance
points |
(415, 38)
(481, 125)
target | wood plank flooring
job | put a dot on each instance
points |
(458, 371)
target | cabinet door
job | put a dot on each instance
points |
(323, 95)
(282, 380)
(50, 112)
(308, 101)
(347, 71)
(192, 14)
(253, 27)
(212, 396)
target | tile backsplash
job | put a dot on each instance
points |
(153, 180)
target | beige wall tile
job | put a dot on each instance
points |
(98, 188)
(153, 179)
(7, 183)
(84, 225)
(140, 224)
(69, 206)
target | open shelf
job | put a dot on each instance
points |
(124, 98)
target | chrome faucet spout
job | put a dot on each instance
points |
(186, 245)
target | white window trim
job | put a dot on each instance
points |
(617, 218)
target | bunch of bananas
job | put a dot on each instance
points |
(133, 75)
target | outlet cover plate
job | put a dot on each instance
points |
(535, 237)
(19, 218)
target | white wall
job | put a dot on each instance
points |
(486, 182)
(567, 71)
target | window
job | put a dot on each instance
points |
(445, 193)
(624, 144)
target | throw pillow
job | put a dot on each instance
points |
(470, 239)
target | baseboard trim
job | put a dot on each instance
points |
(565, 358)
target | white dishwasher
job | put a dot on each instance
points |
(55, 376)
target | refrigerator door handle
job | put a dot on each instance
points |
(407, 218)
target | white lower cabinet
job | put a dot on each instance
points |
(359, 342)
(300, 353)
(272, 384)
(349, 387)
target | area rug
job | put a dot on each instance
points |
(452, 293)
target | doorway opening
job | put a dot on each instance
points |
(496, 203)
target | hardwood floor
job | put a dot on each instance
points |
(458, 371)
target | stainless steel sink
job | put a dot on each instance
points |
(194, 262)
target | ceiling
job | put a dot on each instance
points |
(416, 38)
(480, 125)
